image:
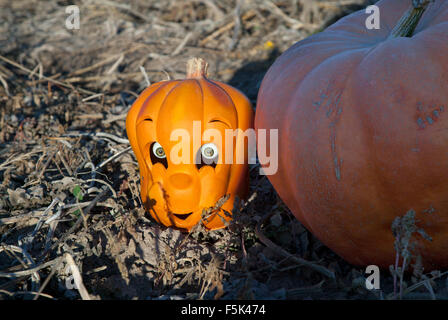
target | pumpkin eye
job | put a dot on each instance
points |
(158, 150)
(209, 151)
(209, 155)
(158, 154)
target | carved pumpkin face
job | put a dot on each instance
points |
(177, 130)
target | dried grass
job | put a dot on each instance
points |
(69, 186)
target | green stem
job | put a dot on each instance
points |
(409, 21)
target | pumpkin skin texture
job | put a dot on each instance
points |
(176, 194)
(363, 137)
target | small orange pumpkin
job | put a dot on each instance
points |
(163, 126)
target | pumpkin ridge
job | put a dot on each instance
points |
(181, 82)
(423, 33)
(198, 83)
(171, 90)
(152, 95)
(132, 132)
(337, 167)
(347, 77)
(216, 85)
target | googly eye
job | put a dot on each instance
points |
(209, 151)
(158, 151)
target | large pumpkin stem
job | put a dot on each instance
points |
(196, 68)
(410, 20)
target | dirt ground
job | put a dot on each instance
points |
(69, 187)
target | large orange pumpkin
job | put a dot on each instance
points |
(362, 118)
(169, 115)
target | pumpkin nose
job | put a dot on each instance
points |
(180, 180)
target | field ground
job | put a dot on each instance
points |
(67, 206)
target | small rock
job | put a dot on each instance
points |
(276, 220)
(18, 197)
(14, 119)
(66, 181)
(36, 192)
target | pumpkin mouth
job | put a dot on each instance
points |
(182, 216)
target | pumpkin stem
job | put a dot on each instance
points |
(410, 20)
(196, 68)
